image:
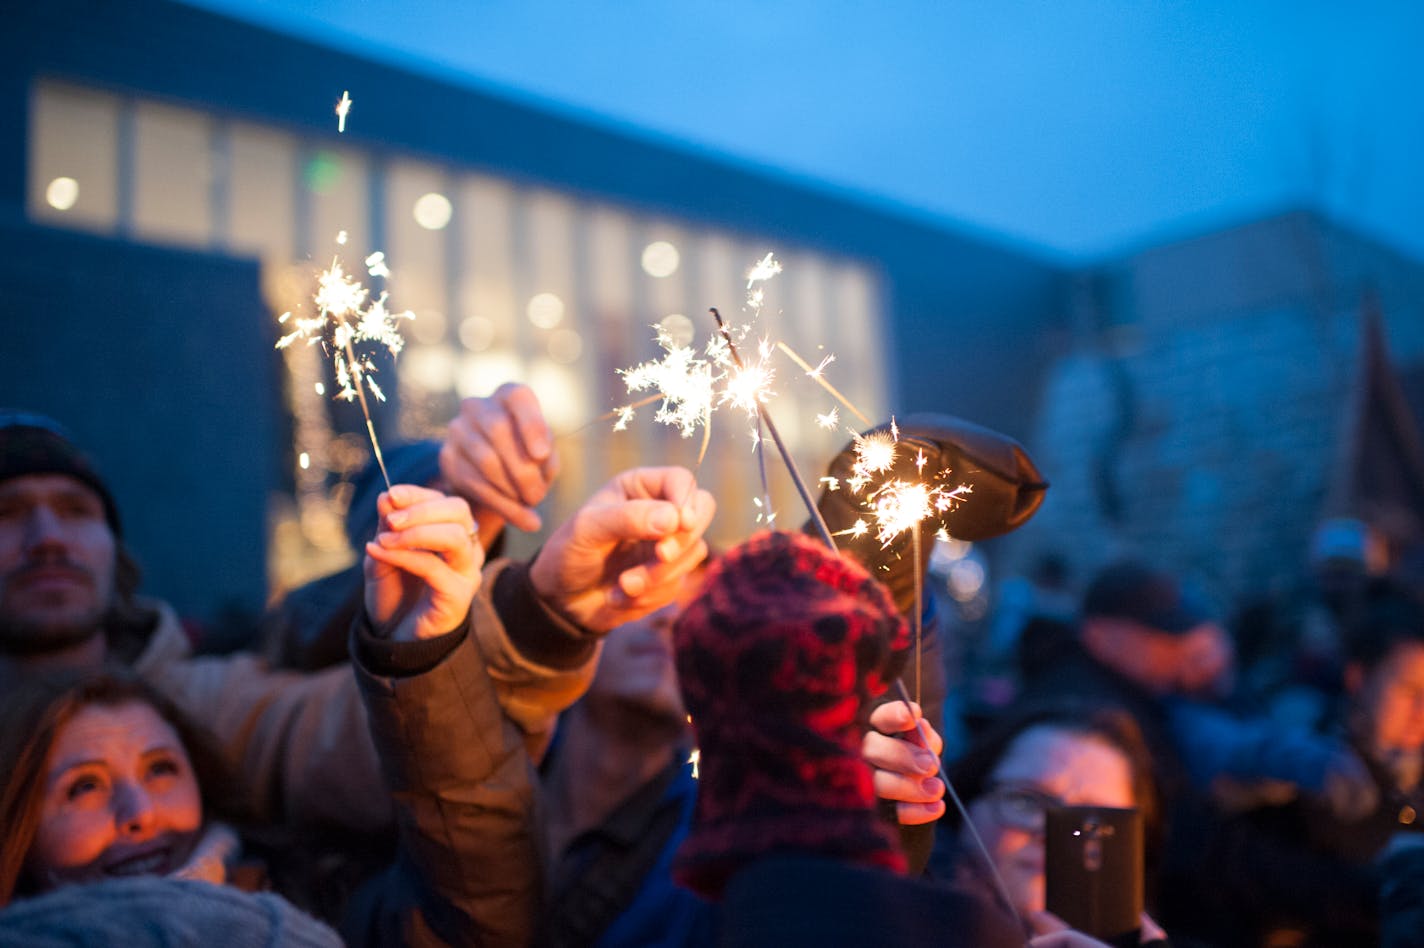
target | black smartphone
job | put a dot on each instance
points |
(1093, 865)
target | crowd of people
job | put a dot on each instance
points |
(631, 739)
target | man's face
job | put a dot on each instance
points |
(57, 557)
(1199, 661)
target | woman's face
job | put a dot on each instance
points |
(1045, 765)
(120, 799)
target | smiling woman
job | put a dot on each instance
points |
(104, 779)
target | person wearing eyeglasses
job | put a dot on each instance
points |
(1055, 755)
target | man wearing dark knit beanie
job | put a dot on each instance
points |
(780, 657)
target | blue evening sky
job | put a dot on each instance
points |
(1083, 127)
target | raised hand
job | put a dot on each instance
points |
(423, 568)
(624, 552)
(499, 454)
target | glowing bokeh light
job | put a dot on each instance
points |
(545, 310)
(432, 211)
(62, 193)
(476, 333)
(660, 259)
(679, 329)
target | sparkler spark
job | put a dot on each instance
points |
(685, 381)
(766, 268)
(830, 419)
(343, 108)
(874, 453)
(624, 415)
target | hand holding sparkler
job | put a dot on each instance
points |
(624, 553)
(499, 453)
(906, 771)
(423, 569)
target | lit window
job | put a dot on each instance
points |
(432, 210)
(173, 174)
(431, 368)
(660, 259)
(73, 137)
(416, 209)
(545, 310)
(262, 166)
(62, 193)
(478, 376)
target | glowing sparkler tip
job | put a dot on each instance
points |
(341, 237)
(343, 109)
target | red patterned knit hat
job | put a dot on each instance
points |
(780, 657)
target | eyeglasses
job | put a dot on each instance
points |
(1019, 806)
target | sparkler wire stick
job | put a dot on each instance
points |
(1003, 889)
(366, 410)
(919, 615)
(903, 694)
(610, 415)
(765, 417)
(824, 384)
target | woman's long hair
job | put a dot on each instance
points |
(31, 718)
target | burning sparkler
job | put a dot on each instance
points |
(343, 310)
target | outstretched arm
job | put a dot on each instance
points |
(455, 766)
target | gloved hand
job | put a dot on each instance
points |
(779, 657)
(1005, 489)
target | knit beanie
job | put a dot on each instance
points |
(33, 444)
(780, 657)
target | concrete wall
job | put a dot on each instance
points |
(1199, 415)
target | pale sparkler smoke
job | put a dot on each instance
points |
(343, 108)
(340, 300)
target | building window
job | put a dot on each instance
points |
(261, 175)
(73, 154)
(173, 195)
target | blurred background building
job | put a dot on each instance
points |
(175, 180)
